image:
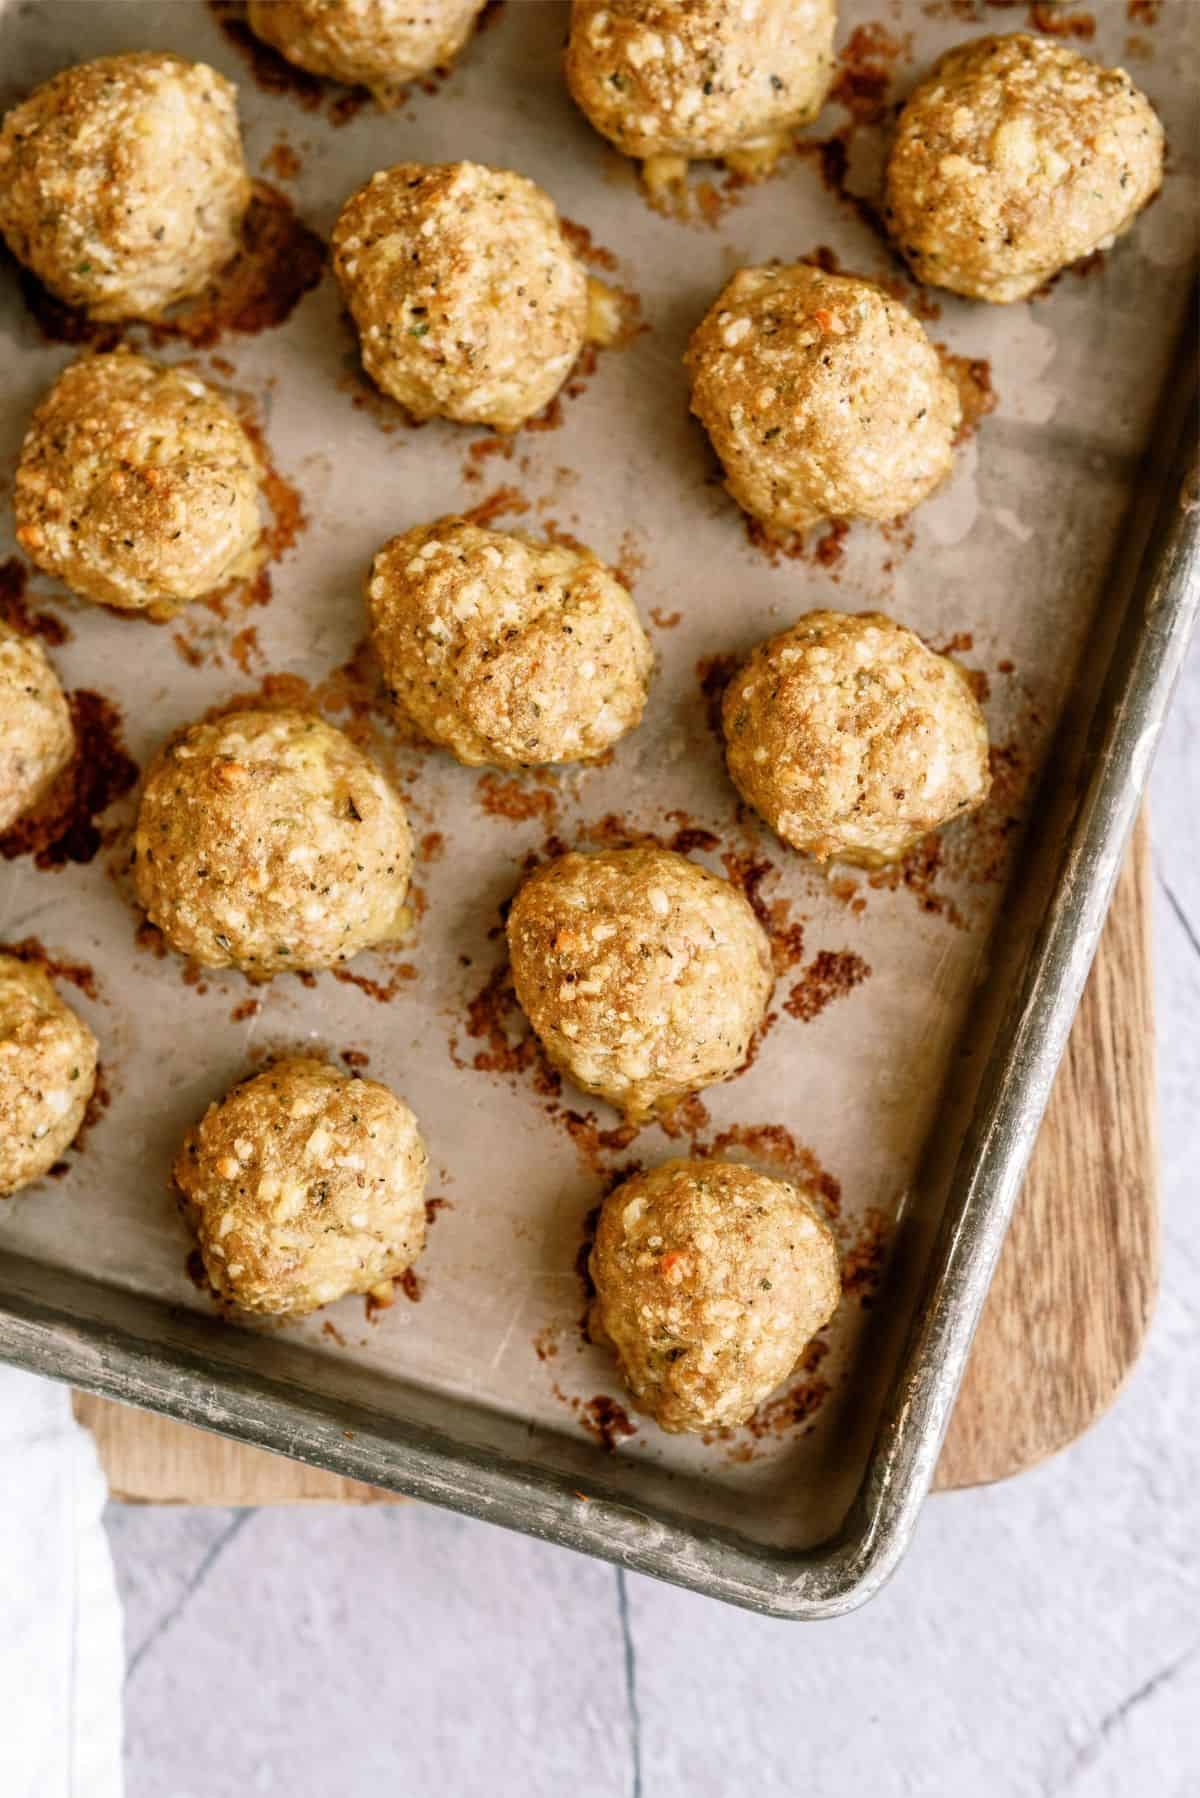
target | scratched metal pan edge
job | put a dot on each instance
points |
(367, 1423)
(44, 1324)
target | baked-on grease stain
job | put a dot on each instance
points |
(65, 828)
(280, 259)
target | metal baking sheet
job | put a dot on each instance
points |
(918, 1019)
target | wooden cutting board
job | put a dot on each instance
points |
(1063, 1322)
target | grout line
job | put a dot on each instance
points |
(1093, 1747)
(215, 1550)
(631, 1697)
(1181, 916)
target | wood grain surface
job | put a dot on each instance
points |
(1074, 1289)
(1063, 1322)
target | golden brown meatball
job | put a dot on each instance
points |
(304, 1184)
(822, 396)
(669, 80)
(506, 650)
(379, 44)
(1013, 158)
(267, 841)
(852, 739)
(137, 486)
(469, 302)
(644, 975)
(122, 184)
(711, 1279)
(37, 737)
(47, 1074)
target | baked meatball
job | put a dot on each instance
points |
(823, 398)
(379, 44)
(506, 650)
(37, 737)
(1015, 157)
(711, 1279)
(47, 1073)
(137, 486)
(644, 976)
(469, 302)
(122, 184)
(304, 1184)
(669, 80)
(266, 841)
(852, 739)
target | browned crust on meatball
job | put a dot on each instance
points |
(644, 975)
(823, 397)
(853, 739)
(137, 485)
(304, 1184)
(711, 1279)
(122, 184)
(661, 78)
(47, 1073)
(37, 735)
(268, 841)
(469, 302)
(1013, 158)
(504, 649)
(378, 44)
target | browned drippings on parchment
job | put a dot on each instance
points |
(279, 262)
(66, 827)
(19, 615)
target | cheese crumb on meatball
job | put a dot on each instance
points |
(378, 44)
(267, 841)
(711, 1279)
(507, 650)
(47, 1073)
(304, 1184)
(122, 184)
(1015, 157)
(853, 739)
(822, 396)
(37, 737)
(469, 302)
(644, 976)
(670, 80)
(137, 485)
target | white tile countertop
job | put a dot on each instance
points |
(1042, 1637)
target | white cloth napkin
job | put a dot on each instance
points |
(61, 1649)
